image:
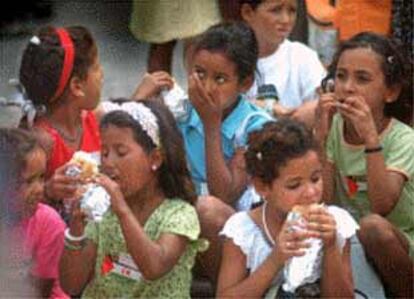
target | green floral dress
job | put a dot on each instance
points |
(172, 216)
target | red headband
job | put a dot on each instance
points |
(67, 45)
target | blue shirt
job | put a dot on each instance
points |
(245, 118)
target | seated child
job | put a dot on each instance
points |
(145, 246)
(32, 231)
(369, 152)
(261, 244)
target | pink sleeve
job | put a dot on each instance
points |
(50, 240)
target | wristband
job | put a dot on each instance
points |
(69, 237)
(373, 149)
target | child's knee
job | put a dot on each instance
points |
(212, 212)
(375, 231)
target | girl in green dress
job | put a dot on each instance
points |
(145, 246)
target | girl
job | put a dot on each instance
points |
(61, 71)
(370, 154)
(145, 246)
(293, 68)
(32, 231)
(221, 68)
(215, 123)
(283, 162)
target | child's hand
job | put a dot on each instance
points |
(206, 103)
(61, 186)
(291, 242)
(152, 84)
(322, 225)
(118, 203)
(324, 113)
(359, 113)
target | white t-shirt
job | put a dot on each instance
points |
(294, 69)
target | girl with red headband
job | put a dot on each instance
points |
(61, 71)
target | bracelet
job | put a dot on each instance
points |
(373, 149)
(72, 247)
(69, 237)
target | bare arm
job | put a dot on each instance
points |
(150, 85)
(324, 112)
(76, 268)
(234, 279)
(306, 113)
(328, 173)
(225, 181)
(153, 258)
(336, 279)
(384, 187)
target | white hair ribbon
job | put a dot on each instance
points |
(142, 114)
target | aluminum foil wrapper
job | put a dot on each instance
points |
(177, 101)
(303, 269)
(95, 202)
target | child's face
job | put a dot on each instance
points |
(93, 85)
(219, 77)
(124, 160)
(31, 185)
(359, 73)
(299, 183)
(272, 20)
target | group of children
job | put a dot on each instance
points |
(175, 182)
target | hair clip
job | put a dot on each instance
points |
(35, 40)
(259, 156)
(390, 59)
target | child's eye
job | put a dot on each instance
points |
(340, 76)
(293, 186)
(121, 151)
(315, 178)
(363, 79)
(220, 80)
(200, 74)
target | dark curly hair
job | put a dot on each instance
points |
(42, 63)
(271, 147)
(396, 66)
(236, 40)
(173, 175)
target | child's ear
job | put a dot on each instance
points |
(77, 86)
(247, 83)
(393, 93)
(246, 12)
(156, 159)
(262, 188)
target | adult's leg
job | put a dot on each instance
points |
(160, 57)
(388, 249)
